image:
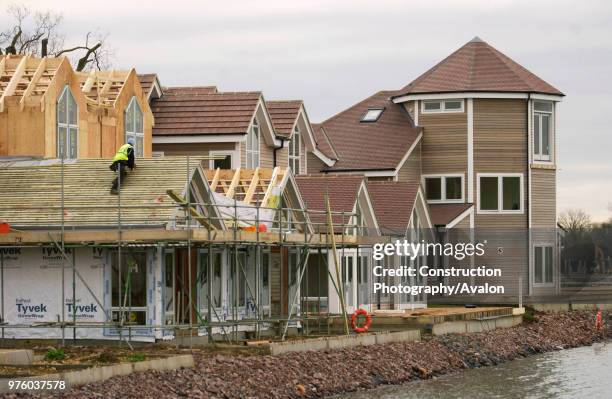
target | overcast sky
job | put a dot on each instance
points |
(332, 54)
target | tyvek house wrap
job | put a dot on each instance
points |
(33, 291)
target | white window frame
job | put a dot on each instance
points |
(442, 109)
(67, 93)
(544, 283)
(500, 193)
(551, 128)
(134, 134)
(293, 143)
(370, 120)
(442, 177)
(252, 151)
(232, 153)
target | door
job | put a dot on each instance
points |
(169, 287)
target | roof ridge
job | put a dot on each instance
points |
(503, 59)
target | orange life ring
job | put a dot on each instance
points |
(599, 322)
(368, 321)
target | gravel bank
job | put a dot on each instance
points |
(316, 374)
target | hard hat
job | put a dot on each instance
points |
(130, 141)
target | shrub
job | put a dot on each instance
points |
(136, 357)
(55, 354)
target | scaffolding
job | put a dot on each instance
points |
(287, 236)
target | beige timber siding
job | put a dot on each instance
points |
(543, 198)
(243, 154)
(411, 170)
(314, 163)
(192, 148)
(500, 146)
(444, 142)
(266, 155)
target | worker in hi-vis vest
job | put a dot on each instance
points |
(123, 159)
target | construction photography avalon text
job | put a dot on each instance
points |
(248, 200)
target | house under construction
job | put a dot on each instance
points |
(183, 247)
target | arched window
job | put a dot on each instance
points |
(134, 126)
(252, 146)
(67, 125)
(294, 152)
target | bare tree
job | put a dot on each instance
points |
(38, 33)
(575, 220)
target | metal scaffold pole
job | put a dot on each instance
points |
(189, 276)
(63, 264)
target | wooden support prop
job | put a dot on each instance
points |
(32, 85)
(89, 82)
(3, 65)
(215, 180)
(232, 188)
(248, 197)
(330, 231)
(194, 213)
(266, 197)
(107, 85)
(15, 79)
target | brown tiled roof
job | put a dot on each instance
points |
(283, 115)
(376, 145)
(393, 202)
(322, 141)
(341, 189)
(200, 111)
(195, 90)
(477, 66)
(147, 80)
(443, 214)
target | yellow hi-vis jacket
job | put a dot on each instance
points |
(122, 153)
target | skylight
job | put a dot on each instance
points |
(372, 115)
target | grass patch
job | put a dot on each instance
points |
(137, 357)
(55, 354)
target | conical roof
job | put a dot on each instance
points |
(478, 67)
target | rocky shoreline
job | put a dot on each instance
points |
(318, 374)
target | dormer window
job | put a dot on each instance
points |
(372, 115)
(441, 106)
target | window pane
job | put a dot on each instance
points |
(536, 133)
(432, 105)
(372, 115)
(433, 188)
(72, 109)
(512, 193)
(454, 105)
(548, 271)
(488, 194)
(139, 146)
(249, 160)
(545, 134)
(129, 119)
(453, 188)
(225, 163)
(62, 108)
(138, 122)
(61, 142)
(255, 159)
(73, 143)
(538, 264)
(545, 106)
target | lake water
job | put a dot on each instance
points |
(574, 373)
